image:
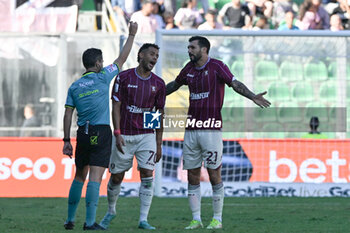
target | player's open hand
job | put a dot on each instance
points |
(132, 28)
(261, 101)
(158, 153)
(120, 143)
(68, 149)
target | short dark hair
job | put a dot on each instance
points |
(91, 56)
(202, 42)
(144, 47)
(185, 3)
(168, 14)
(144, 2)
(212, 12)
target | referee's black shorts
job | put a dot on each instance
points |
(93, 146)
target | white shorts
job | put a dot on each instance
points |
(143, 146)
(202, 146)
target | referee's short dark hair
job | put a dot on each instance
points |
(91, 56)
(144, 47)
(202, 42)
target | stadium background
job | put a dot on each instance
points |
(306, 73)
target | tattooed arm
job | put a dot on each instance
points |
(241, 89)
(258, 99)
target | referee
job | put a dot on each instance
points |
(90, 96)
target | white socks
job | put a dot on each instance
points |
(218, 200)
(194, 198)
(146, 195)
(113, 191)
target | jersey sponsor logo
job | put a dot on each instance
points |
(111, 68)
(198, 96)
(134, 109)
(153, 88)
(132, 86)
(86, 84)
(88, 93)
(206, 72)
(190, 75)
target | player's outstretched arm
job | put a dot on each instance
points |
(127, 47)
(67, 121)
(171, 87)
(258, 99)
(241, 89)
(261, 101)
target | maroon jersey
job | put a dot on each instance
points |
(207, 88)
(137, 95)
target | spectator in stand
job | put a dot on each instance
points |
(170, 5)
(343, 11)
(313, 15)
(335, 23)
(261, 23)
(120, 10)
(260, 8)
(188, 17)
(126, 8)
(288, 22)
(30, 120)
(145, 19)
(157, 10)
(168, 17)
(234, 15)
(280, 8)
(211, 22)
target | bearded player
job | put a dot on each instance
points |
(206, 78)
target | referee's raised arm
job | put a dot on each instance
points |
(127, 47)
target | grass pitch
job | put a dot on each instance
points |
(173, 214)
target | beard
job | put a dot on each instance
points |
(194, 58)
(146, 67)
